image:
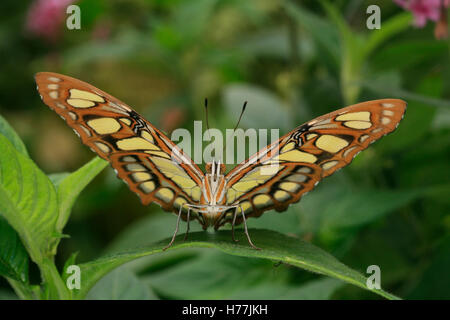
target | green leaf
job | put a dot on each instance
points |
(13, 256)
(275, 246)
(152, 228)
(121, 284)
(69, 186)
(56, 178)
(217, 276)
(27, 200)
(12, 136)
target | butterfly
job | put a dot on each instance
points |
(157, 170)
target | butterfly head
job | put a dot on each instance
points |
(214, 183)
(215, 168)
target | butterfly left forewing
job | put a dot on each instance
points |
(282, 172)
(141, 155)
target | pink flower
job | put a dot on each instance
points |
(423, 10)
(46, 16)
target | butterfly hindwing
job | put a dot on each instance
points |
(281, 173)
(141, 155)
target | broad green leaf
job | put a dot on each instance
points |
(149, 229)
(12, 136)
(13, 256)
(56, 178)
(70, 186)
(275, 246)
(120, 284)
(27, 200)
(216, 276)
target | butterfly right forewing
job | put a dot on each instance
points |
(149, 162)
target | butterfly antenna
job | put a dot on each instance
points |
(206, 113)
(240, 117)
(237, 124)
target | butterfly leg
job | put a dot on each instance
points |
(187, 228)
(176, 230)
(232, 225)
(246, 230)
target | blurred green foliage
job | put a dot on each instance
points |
(292, 61)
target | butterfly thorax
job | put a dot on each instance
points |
(213, 193)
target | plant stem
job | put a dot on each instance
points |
(22, 290)
(51, 277)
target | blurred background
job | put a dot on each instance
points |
(292, 61)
